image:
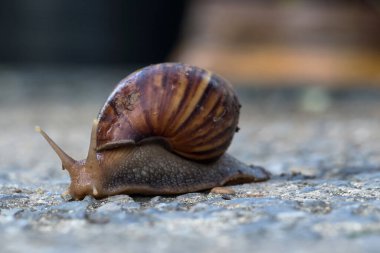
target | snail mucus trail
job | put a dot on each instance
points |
(163, 130)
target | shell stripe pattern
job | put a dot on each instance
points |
(192, 110)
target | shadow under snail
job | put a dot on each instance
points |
(163, 130)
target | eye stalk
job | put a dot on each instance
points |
(67, 161)
(92, 161)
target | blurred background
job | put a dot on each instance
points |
(250, 42)
(93, 32)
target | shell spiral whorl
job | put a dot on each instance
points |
(194, 111)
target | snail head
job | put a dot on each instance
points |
(81, 172)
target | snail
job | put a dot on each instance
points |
(163, 130)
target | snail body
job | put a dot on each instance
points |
(163, 130)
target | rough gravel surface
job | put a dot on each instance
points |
(322, 147)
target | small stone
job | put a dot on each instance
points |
(222, 190)
(254, 194)
(290, 215)
(10, 212)
(120, 199)
(71, 210)
(109, 207)
(40, 191)
(167, 206)
(156, 199)
(17, 190)
(226, 197)
(66, 196)
(131, 206)
(97, 219)
(199, 207)
(315, 206)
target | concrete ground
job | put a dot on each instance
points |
(322, 147)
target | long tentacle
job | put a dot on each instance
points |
(67, 161)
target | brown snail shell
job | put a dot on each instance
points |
(192, 110)
(163, 130)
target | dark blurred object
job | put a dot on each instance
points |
(285, 42)
(88, 31)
